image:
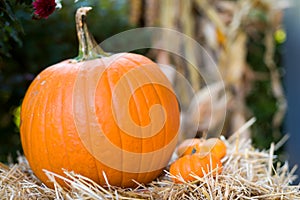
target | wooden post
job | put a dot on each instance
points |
(292, 82)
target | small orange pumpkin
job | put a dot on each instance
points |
(100, 113)
(202, 146)
(196, 164)
(185, 146)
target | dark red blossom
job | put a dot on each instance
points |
(43, 8)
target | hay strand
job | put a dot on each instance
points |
(247, 174)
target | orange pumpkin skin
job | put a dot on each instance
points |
(196, 164)
(202, 146)
(216, 147)
(186, 146)
(50, 133)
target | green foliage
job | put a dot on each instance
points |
(11, 28)
(16, 114)
(261, 100)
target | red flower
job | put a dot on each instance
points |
(43, 8)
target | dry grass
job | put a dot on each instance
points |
(247, 174)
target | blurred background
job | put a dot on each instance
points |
(253, 43)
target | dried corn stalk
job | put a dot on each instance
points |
(223, 29)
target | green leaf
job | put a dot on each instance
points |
(16, 113)
(11, 31)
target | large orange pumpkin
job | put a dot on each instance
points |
(115, 114)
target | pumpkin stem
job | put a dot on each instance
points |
(204, 135)
(193, 151)
(88, 47)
